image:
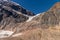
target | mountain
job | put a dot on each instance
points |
(49, 18)
(11, 13)
(43, 26)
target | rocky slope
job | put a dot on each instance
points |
(49, 18)
(11, 14)
(46, 26)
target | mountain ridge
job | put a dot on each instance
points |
(12, 14)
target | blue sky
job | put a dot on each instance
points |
(36, 6)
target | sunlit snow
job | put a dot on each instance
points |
(6, 33)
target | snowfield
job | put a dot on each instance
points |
(5, 33)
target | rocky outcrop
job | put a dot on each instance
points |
(16, 7)
(12, 14)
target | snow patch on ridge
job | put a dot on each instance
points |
(4, 0)
(15, 3)
(31, 17)
(4, 34)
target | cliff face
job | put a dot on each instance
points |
(14, 6)
(11, 14)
